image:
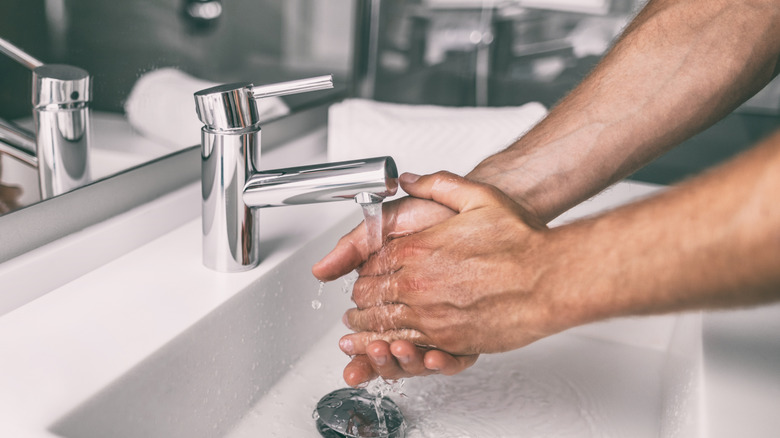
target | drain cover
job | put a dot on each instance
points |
(350, 412)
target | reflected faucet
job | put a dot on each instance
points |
(234, 190)
(59, 145)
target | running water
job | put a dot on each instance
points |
(316, 303)
(373, 216)
(379, 388)
(373, 219)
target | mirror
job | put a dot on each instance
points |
(147, 57)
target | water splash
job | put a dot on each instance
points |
(349, 282)
(316, 303)
(378, 389)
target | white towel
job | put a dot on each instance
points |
(425, 138)
(161, 106)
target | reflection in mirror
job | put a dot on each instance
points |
(146, 58)
(58, 145)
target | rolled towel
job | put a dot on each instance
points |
(161, 107)
(425, 138)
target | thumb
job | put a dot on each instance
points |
(350, 251)
(450, 190)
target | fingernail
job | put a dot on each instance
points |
(345, 320)
(409, 178)
(346, 345)
(403, 359)
(380, 360)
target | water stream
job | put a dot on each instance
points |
(379, 388)
(373, 220)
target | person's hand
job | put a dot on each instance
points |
(471, 284)
(401, 359)
(400, 217)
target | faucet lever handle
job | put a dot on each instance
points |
(19, 55)
(293, 87)
(231, 107)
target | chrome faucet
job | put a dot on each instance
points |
(59, 145)
(233, 189)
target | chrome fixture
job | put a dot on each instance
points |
(59, 145)
(233, 189)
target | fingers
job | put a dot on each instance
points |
(448, 189)
(410, 358)
(402, 359)
(447, 364)
(399, 218)
(397, 360)
(388, 322)
(375, 287)
(357, 343)
(359, 370)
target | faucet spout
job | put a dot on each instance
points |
(372, 180)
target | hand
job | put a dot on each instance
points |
(471, 284)
(400, 217)
(401, 359)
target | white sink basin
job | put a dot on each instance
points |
(153, 344)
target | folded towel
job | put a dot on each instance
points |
(161, 107)
(425, 138)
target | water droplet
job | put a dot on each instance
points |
(316, 304)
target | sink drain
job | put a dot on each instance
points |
(350, 412)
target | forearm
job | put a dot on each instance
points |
(679, 67)
(712, 242)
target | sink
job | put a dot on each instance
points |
(258, 364)
(153, 344)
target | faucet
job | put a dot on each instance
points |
(59, 145)
(233, 190)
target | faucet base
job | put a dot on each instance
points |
(230, 227)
